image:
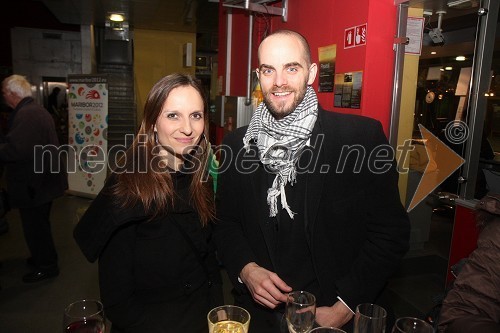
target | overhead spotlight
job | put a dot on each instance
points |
(433, 52)
(436, 33)
(436, 36)
(460, 58)
(448, 68)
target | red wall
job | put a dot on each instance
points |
(323, 23)
(379, 61)
(239, 50)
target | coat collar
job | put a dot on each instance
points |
(23, 102)
(315, 173)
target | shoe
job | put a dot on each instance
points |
(40, 275)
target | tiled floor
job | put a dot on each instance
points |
(38, 308)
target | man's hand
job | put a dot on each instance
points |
(336, 315)
(266, 287)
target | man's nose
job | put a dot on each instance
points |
(280, 79)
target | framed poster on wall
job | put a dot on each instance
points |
(327, 57)
(347, 90)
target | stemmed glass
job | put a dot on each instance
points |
(84, 316)
(369, 318)
(300, 311)
(411, 325)
(326, 330)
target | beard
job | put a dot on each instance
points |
(281, 109)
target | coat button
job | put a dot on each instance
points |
(187, 286)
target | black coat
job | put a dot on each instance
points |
(35, 175)
(151, 279)
(357, 229)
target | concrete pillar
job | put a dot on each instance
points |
(88, 49)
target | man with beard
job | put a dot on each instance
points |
(301, 203)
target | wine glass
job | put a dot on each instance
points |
(228, 319)
(84, 316)
(411, 325)
(326, 330)
(369, 318)
(300, 311)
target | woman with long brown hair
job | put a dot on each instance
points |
(150, 225)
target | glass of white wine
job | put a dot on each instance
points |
(300, 311)
(228, 319)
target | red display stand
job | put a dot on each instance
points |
(464, 236)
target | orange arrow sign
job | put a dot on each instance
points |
(443, 161)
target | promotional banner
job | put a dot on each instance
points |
(87, 133)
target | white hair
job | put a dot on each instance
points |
(17, 85)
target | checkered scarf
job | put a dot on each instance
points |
(280, 143)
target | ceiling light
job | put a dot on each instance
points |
(462, 4)
(448, 68)
(460, 58)
(116, 17)
(452, 3)
(433, 52)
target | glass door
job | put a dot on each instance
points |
(449, 89)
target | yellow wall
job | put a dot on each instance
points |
(156, 54)
(408, 96)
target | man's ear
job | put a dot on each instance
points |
(313, 71)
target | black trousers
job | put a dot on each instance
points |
(38, 235)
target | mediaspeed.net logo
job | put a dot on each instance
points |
(443, 161)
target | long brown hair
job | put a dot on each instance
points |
(142, 178)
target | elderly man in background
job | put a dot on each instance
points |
(35, 176)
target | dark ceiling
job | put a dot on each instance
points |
(201, 16)
(168, 15)
(459, 25)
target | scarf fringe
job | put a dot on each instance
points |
(280, 143)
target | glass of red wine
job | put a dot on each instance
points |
(84, 316)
